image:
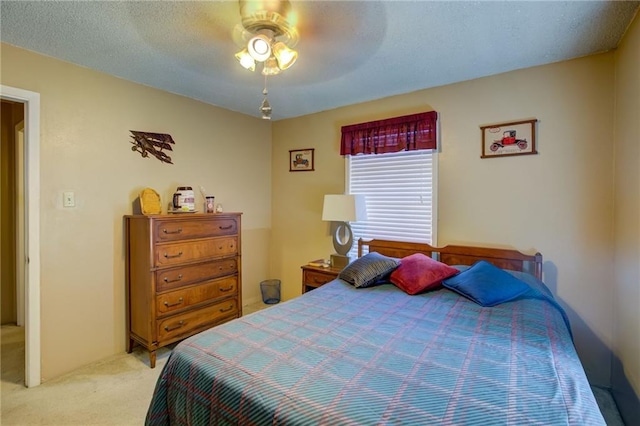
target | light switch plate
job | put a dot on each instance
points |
(68, 199)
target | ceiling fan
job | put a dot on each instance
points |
(266, 35)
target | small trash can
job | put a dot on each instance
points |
(270, 291)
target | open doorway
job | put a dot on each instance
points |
(20, 220)
(12, 252)
(12, 120)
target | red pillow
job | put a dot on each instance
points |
(418, 273)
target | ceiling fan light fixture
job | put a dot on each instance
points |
(270, 67)
(259, 47)
(268, 35)
(246, 60)
(285, 56)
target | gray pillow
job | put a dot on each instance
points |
(368, 269)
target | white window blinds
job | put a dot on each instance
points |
(399, 193)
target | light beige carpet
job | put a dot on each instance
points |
(115, 391)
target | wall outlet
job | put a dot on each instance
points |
(68, 199)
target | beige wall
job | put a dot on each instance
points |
(558, 202)
(626, 345)
(85, 121)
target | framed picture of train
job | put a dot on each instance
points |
(301, 160)
(507, 139)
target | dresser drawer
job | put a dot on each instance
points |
(316, 279)
(194, 295)
(190, 251)
(173, 278)
(173, 230)
(195, 320)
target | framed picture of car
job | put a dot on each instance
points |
(301, 160)
(508, 139)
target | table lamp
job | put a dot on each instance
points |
(341, 209)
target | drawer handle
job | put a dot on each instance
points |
(177, 231)
(175, 327)
(224, 290)
(171, 256)
(317, 281)
(226, 310)
(225, 227)
(167, 280)
(169, 305)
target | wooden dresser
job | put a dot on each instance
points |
(183, 275)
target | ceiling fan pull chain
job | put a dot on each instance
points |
(265, 108)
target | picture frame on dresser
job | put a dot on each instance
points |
(183, 276)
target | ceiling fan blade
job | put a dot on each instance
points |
(240, 35)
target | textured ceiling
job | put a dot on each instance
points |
(350, 51)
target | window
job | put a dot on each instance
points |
(392, 163)
(399, 189)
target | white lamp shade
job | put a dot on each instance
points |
(344, 208)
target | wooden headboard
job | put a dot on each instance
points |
(458, 255)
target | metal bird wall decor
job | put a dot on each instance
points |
(152, 143)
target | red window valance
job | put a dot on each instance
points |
(407, 133)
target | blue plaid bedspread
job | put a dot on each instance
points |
(376, 356)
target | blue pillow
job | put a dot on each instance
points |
(368, 269)
(486, 284)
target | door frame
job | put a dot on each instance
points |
(31, 101)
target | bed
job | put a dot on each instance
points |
(376, 355)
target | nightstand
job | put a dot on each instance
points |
(315, 276)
